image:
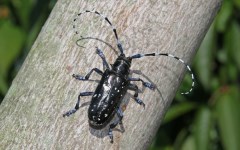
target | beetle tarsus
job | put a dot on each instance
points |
(146, 84)
(134, 87)
(69, 113)
(140, 102)
(110, 134)
(149, 85)
(78, 77)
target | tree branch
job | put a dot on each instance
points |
(31, 113)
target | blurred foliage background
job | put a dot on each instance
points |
(208, 119)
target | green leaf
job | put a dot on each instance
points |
(189, 143)
(224, 15)
(181, 136)
(232, 72)
(222, 56)
(3, 85)
(11, 42)
(237, 3)
(204, 58)
(178, 110)
(24, 8)
(228, 117)
(232, 43)
(202, 128)
(161, 148)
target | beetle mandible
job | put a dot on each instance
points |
(113, 85)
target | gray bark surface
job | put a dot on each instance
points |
(31, 113)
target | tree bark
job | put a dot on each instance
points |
(31, 113)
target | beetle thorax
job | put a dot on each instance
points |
(122, 65)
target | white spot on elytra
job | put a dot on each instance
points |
(105, 115)
(92, 110)
(118, 91)
(95, 95)
(107, 88)
(98, 119)
(115, 88)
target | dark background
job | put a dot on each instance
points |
(208, 119)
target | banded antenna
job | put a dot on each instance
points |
(119, 45)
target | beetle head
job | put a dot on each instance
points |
(122, 64)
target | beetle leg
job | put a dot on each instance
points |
(114, 124)
(134, 87)
(120, 115)
(78, 103)
(100, 53)
(86, 77)
(146, 84)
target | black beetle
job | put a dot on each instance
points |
(113, 86)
